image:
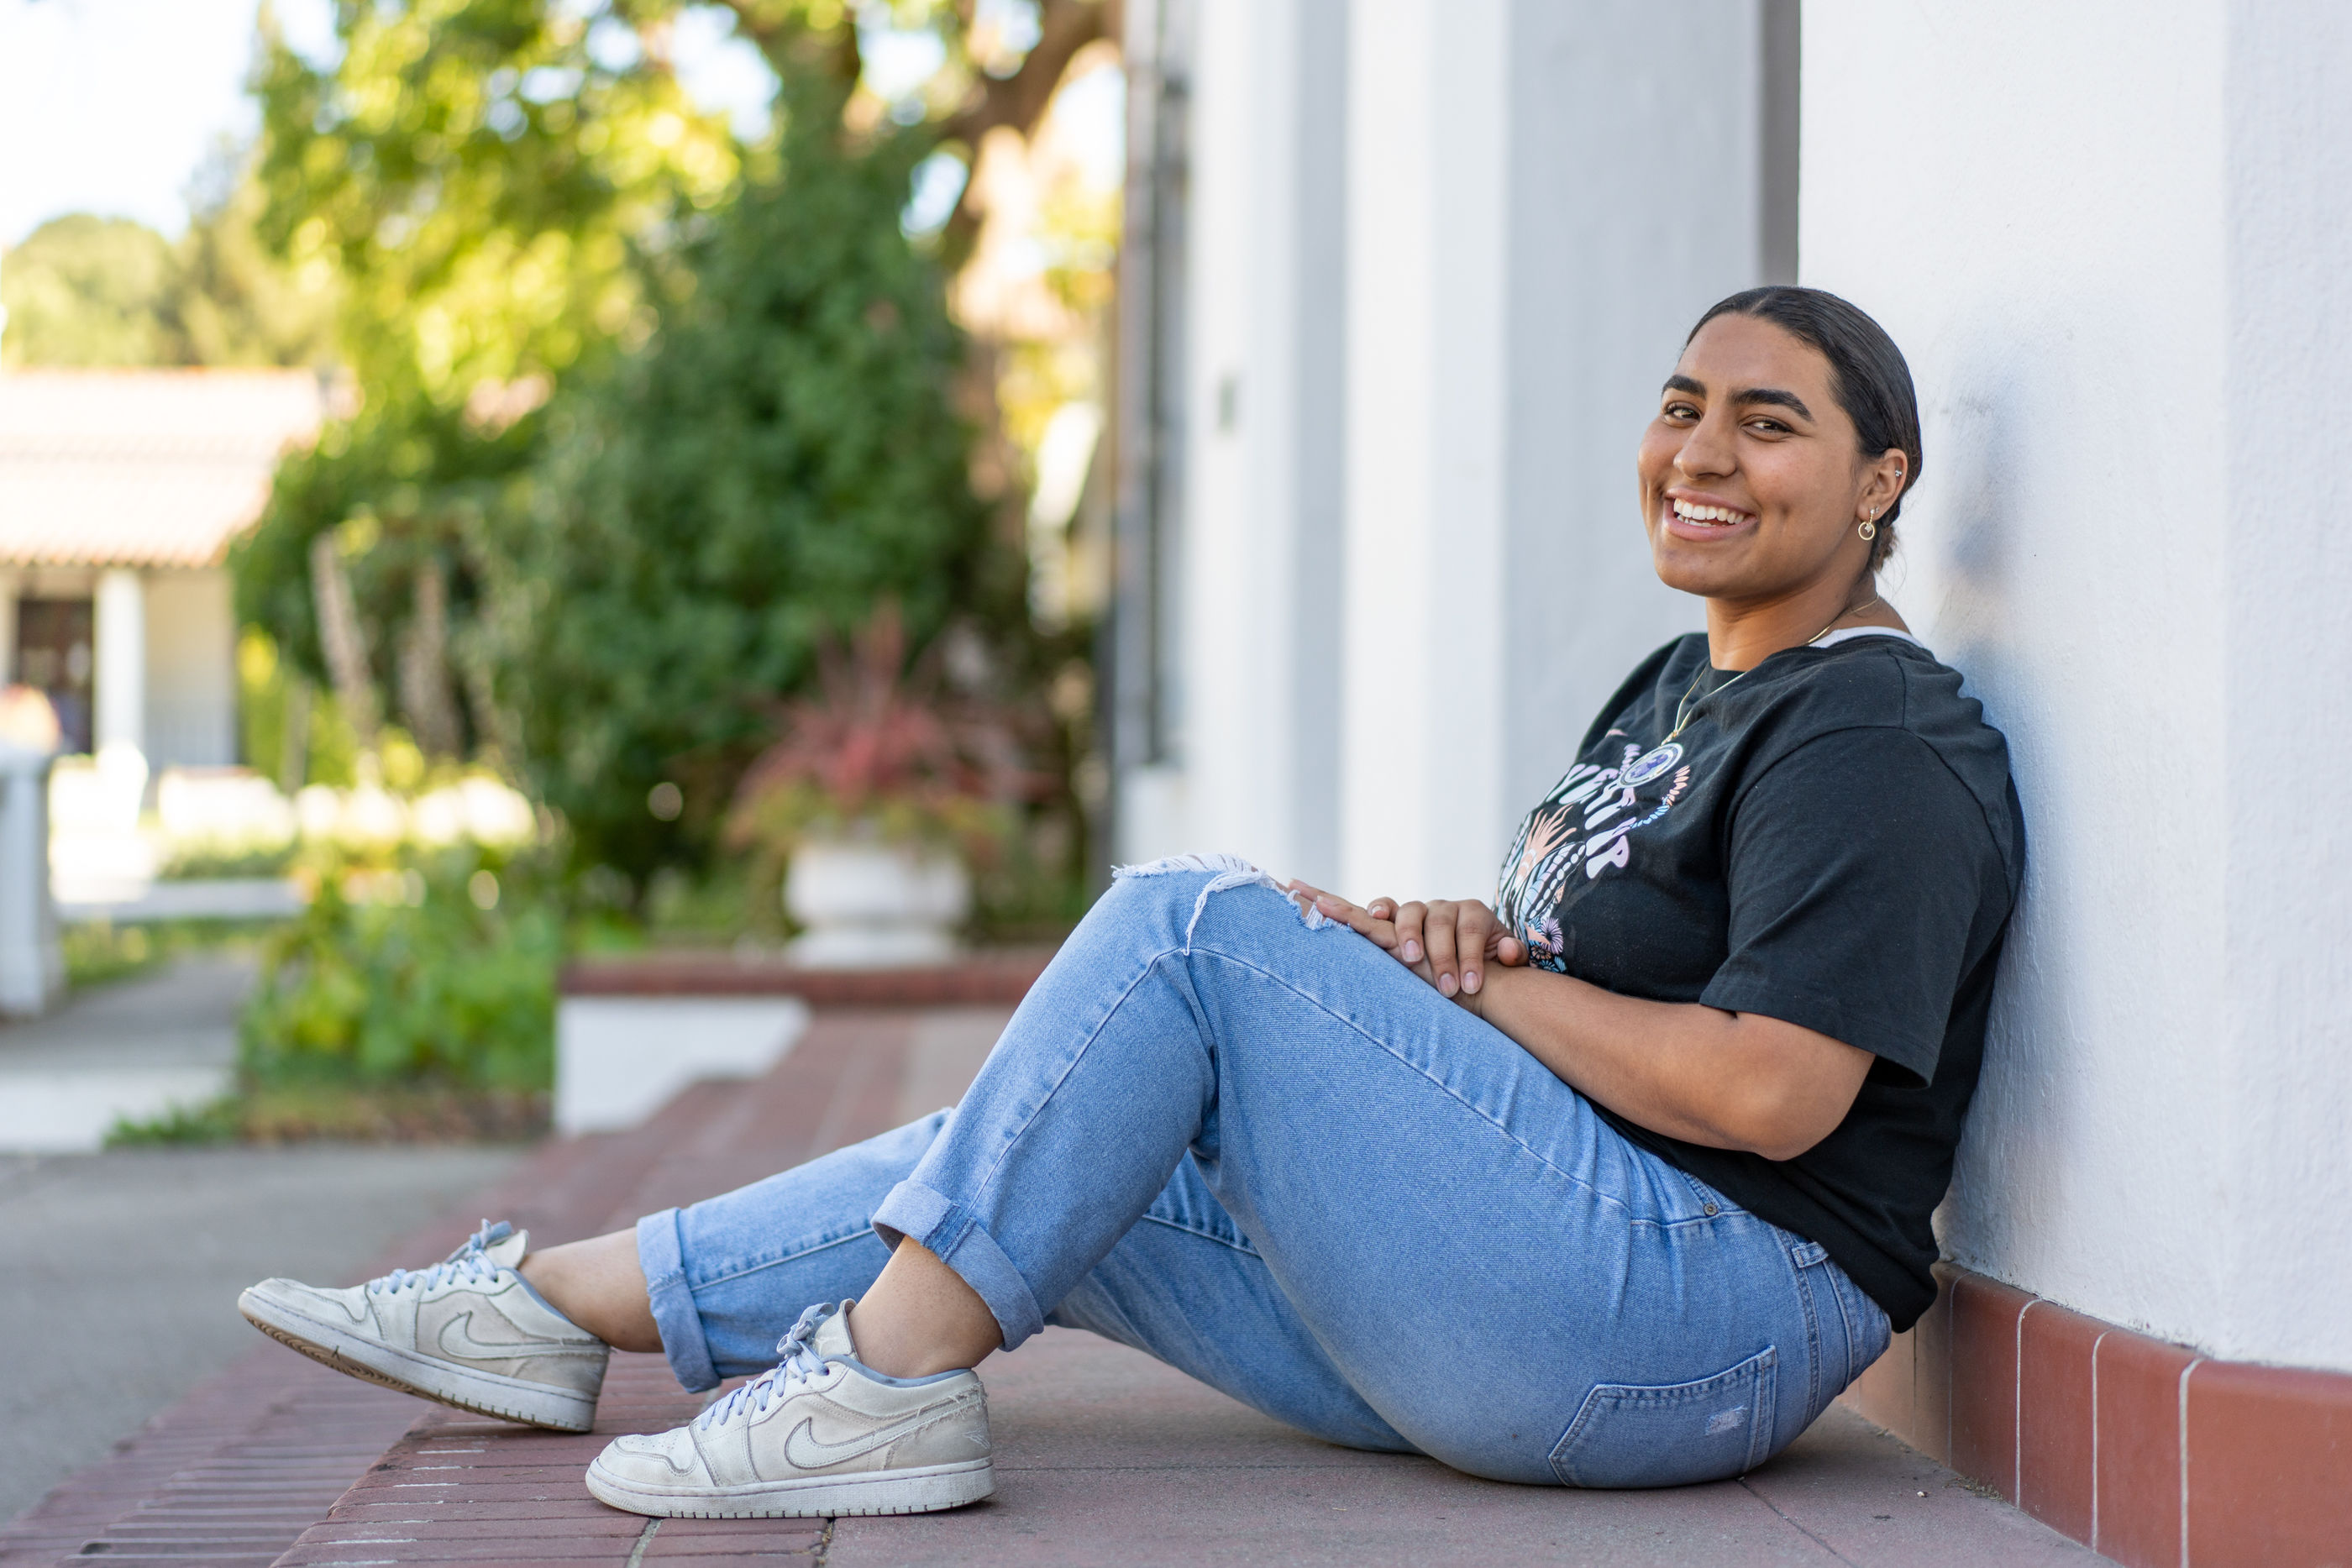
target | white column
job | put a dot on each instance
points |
(2287, 586)
(1421, 807)
(120, 684)
(1532, 233)
(118, 689)
(32, 966)
(10, 587)
(1267, 277)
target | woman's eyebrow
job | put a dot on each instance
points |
(1775, 397)
(1683, 383)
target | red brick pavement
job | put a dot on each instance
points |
(1104, 1457)
(251, 1464)
(457, 1488)
(230, 1475)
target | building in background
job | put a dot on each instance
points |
(1402, 278)
(119, 493)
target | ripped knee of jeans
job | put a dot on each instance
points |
(1228, 872)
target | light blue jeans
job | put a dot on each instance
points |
(1250, 1144)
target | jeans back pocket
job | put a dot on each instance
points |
(1673, 1434)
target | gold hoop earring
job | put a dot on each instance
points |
(1869, 529)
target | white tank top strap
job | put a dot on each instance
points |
(1848, 634)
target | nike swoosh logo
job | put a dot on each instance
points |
(457, 1341)
(803, 1451)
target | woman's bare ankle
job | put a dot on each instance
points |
(600, 1286)
(920, 1317)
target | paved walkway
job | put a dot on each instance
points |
(1103, 1455)
(121, 1269)
(132, 1048)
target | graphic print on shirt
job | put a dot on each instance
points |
(1584, 826)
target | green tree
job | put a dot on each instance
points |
(493, 183)
(781, 458)
(233, 301)
(752, 433)
(479, 173)
(84, 290)
(92, 291)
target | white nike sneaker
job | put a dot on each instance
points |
(821, 1433)
(468, 1332)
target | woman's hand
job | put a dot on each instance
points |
(1447, 942)
(1729, 1080)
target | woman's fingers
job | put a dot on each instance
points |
(1451, 943)
(1410, 918)
(1365, 923)
(1475, 932)
(1384, 909)
(1439, 930)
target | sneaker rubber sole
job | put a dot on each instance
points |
(465, 1388)
(922, 1490)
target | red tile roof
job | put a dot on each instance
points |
(143, 468)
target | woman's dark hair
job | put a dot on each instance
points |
(1867, 374)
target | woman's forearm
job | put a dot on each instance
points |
(1729, 1080)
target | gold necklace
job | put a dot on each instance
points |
(1682, 715)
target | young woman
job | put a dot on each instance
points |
(1615, 1184)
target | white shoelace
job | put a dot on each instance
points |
(800, 1364)
(468, 1263)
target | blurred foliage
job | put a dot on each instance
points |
(650, 413)
(290, 729)
(346, 1112)
(431, 967)
(884, 749)
(239, 302)
(783, 456)
(179, 865)
(414, 1000)
(85, 290)
(398, 491)
(477, 173)
(99, 951)
(752, 435)
(91, 291)
(497, 184)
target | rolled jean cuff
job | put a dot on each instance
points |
(662, 1256)
(960, 1241)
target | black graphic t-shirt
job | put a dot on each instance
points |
(1833, 840)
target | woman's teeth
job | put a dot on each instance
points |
(1719, 516)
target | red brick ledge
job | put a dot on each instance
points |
(2147, 1452)
(1003, 977)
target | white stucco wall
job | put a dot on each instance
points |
(1421, 756)
(191, 658)
(2113, 240)
(1267, 281)
(2287, 1289)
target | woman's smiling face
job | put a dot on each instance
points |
(1752, 485)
